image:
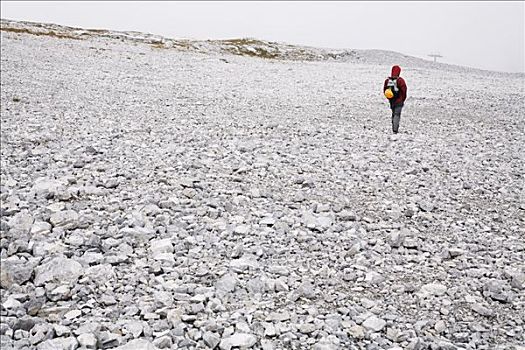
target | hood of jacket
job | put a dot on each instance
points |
(396, 70)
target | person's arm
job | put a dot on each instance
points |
(403, 88)
(384, 85)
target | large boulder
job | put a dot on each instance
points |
(59, 270)
(15, 271)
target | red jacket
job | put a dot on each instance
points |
(396, 70)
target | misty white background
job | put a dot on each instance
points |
(487, 35)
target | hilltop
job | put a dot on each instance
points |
(240, 46)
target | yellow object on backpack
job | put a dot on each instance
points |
(389, 94)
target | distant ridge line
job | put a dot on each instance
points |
(248, 47)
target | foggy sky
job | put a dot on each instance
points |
(487, 35)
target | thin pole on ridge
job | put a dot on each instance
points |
(435, 55)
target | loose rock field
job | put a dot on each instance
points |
(158, 199)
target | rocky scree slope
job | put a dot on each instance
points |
(156, 199)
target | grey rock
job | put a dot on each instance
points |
(496, 290)
(135, 328)
(517, 278)
(189, 192)
(41, 228)
(21, 223)
(164, 342)
(108, 300)
(159, 246)
(137, 344)
(45, 186)
(61, 331)
(246, 262)
(237, 251)
(58, 270)
(268, 221)
(60, 293)
(357, 332)
(4, 226)
(267, 344)
(240, 340)
(255, 286)
(278, 316)
(91, 150)
(226, 284)
(432, 289)
(196, 309)
(69, 343)
(107, 339)
(68, 219)
(426, 206)
(306, 328)
(72, 314)
(396, 238)
(411, 243)
(211, 339)
(317, 222)
(455, 252)
(100, 274)
(111, 184)
(269, 330)
(88, 327)
(482, 310)
(346, 215)
(87, 340)
(11, 303)
(333, 322)
(445, 345)
(241, 229)
(374, 323)
(374, 278)
(324, 344)
(440, 326)
(279, 270)
(306, 290)
(25, 323)
(281, 285)
(138, 234)
(45, 249)
(15, 271)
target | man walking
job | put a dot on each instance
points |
(395, 89)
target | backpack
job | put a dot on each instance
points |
(392, 85)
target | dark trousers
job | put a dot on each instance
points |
(396, 117)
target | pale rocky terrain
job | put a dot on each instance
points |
(156, 197)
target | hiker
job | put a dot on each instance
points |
(395, 89)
